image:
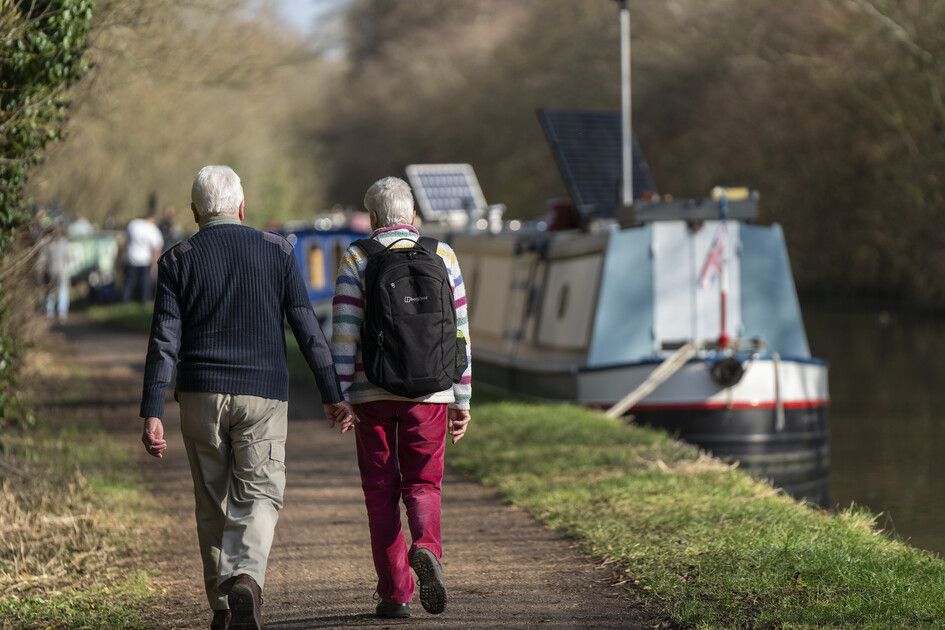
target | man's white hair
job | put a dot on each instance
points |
(216, 191)
(390, 201)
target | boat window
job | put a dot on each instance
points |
(339, 252)
(563, 301)
(316, 267)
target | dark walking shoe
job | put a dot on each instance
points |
(221, 619)
(430, 573)
(390, 610)
(245, 600)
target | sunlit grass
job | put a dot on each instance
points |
(94, 608)
(70, 512)
(702, 544)
(72, 515)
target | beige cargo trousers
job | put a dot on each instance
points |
(236, 448)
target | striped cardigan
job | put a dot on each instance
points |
(348, 315)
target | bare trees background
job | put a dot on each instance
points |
(174, 86)
(834, 109)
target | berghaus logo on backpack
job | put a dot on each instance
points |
(410, 345)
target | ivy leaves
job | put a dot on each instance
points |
(42, 46)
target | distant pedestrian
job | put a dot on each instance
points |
(143, 247)
(400, 340)
(171, 232)
(222, 297)
(58, 261)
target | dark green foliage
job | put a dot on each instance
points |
(42, 43)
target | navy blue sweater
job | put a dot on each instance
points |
(218, 318)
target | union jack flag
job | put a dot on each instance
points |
(712, 266)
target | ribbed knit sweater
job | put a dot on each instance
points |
(222, 297)
(348, 316)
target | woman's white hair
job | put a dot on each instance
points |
(390, 201)
(216, 191)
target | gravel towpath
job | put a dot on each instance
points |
(503, 569)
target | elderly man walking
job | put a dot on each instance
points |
(221, 299)
(400, 341)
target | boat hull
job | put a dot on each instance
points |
(794, 457)
(774, 422)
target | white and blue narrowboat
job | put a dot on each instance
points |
(628, 314)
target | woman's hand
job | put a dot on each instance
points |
(340, 413)
(458, 421)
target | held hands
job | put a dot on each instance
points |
(153, 437)
(340, 413)
(458, 421)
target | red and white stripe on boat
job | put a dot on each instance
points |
(718, 406)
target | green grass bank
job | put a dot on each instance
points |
(72, 517)
(701, 544)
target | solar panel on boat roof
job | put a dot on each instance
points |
(445, 190)
(588, 149)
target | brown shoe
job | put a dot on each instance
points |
(245, 599)
(221, 619)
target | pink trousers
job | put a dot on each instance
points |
(400, 455)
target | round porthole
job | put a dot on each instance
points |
(563, 301)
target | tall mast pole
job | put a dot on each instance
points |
(625, 98)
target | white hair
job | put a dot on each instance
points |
(216, 191)
(390, 201)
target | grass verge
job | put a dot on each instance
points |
(701, 544)
(130, 316)
(71, 520)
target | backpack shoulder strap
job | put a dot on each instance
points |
(369, 246)
(429, 244)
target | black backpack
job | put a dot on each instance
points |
(409, 341)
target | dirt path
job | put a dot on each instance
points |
(504, 570)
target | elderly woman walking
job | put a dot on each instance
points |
(400, 342)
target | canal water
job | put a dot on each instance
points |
(887, 414)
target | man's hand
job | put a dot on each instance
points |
(458, 421)
(340, 413)
(153, 437)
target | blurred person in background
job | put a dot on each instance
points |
(57, 260)
(170, 230)
(142, 249)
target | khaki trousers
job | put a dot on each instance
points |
(236, 448)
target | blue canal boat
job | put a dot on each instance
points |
(318, 250)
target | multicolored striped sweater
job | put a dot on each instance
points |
(348, 315)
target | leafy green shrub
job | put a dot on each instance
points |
(42, 46)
